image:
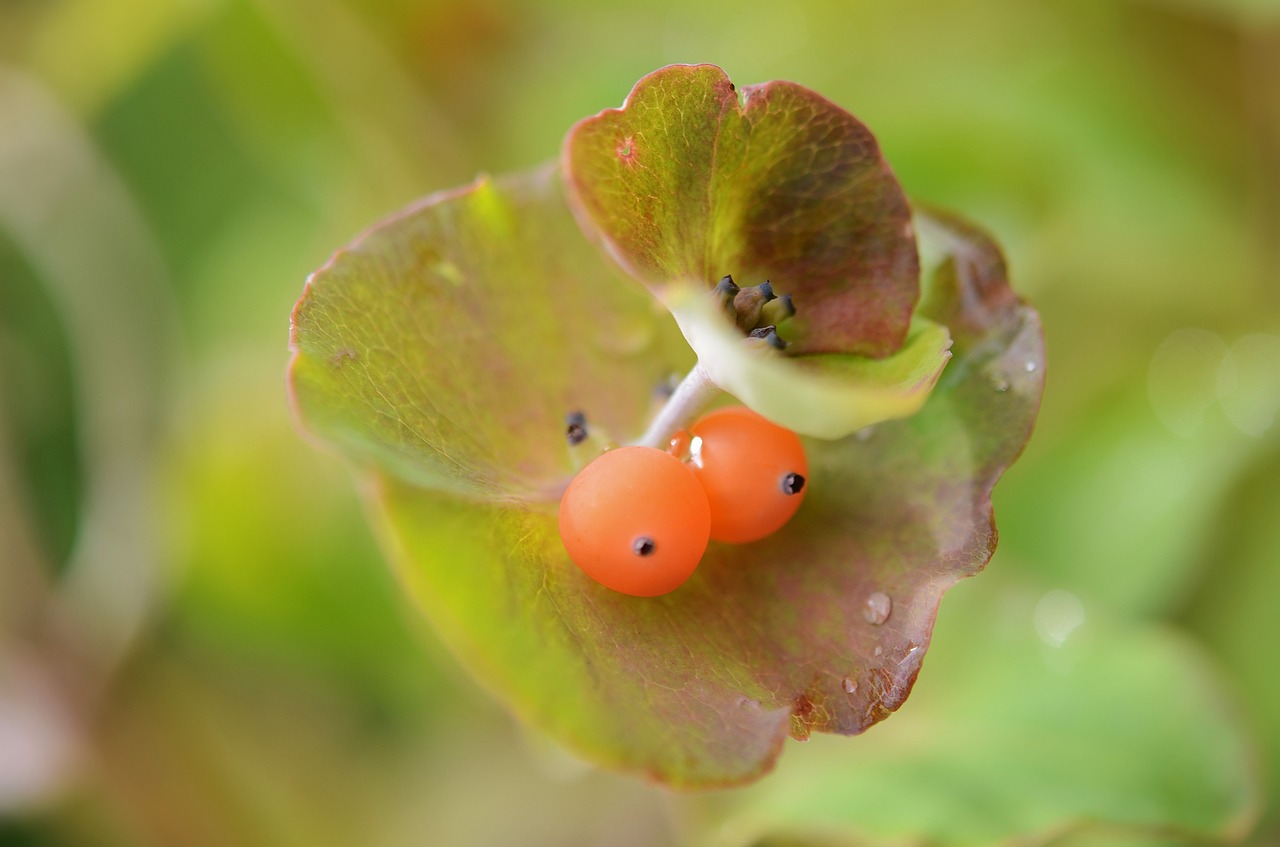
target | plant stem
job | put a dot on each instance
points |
(690, 397)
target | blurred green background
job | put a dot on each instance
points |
(200, 643)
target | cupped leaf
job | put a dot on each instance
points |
(694, 179)
(827, 395)
(448, 343)
(820, 627)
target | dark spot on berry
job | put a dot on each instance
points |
(792, 483)
(766, 288)
(643, 546)
(727, 286)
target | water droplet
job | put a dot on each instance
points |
(1057, 615)
(879, 651)
(999, 383)
(877, 608)
(865, 433)
(1030, 366)
(849, 685)
(1249, 383)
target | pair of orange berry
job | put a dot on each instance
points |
(638, 519)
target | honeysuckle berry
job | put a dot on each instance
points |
(635, 520)
(753, 472)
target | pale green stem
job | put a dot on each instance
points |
(689, 399)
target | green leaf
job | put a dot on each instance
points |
(448, 343)
(441, 351)
(827, 395)
(693, 179)
(1232, 606)
(1041, 722)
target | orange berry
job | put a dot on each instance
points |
(754, 473)
(635, 520)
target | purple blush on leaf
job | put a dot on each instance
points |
(441, 352)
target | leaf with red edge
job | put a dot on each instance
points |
(440, 353)
(693, 179)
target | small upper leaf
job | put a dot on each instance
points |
(693, 179)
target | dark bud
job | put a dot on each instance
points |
(643, 546)
(575, 428)
(792, 483)
(724, 293)
(769, 334)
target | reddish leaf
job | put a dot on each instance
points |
(693, 179)
(441, 351)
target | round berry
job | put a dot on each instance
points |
(636, 520)
(754, 473)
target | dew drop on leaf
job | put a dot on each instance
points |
(877, 608)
